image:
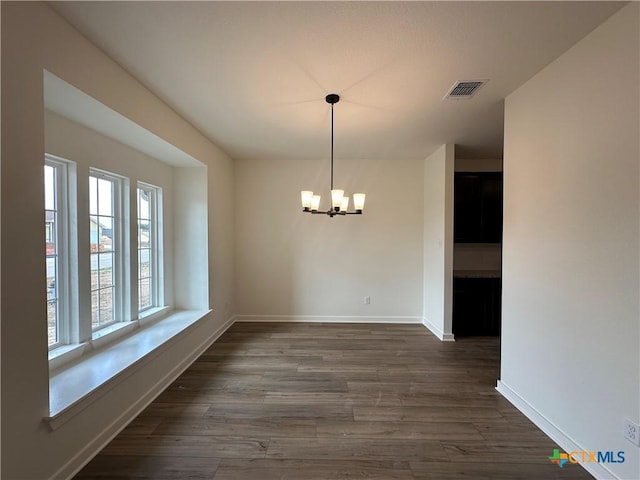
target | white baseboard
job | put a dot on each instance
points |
(598, 470)
(445, 337)
(325, 319)
(78, 461)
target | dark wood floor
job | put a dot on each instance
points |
(334, 401)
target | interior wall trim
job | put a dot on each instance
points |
(445, 337)
(327, 319)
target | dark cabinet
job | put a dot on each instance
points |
(476, 306)
(477, 207)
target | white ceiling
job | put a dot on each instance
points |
(252, 76)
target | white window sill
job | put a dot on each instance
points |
(77, 384)
(152, 314)
(65, 354)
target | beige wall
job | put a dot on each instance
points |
(33, 39)
(291, 265)
(570, 328)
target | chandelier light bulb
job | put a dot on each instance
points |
(336, 198)
(306, 197)
(315, 203)
(358, 201)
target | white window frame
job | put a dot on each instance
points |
(119, 234)
(78, 337)
(63, 237)
(156, 284)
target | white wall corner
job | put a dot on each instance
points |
(448, 237)
(568, 444)
(439, 170)
(445, 337)
(556, 180)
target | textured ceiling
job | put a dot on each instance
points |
(252, 76)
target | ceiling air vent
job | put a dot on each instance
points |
(465, 89)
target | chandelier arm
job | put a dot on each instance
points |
(332, 213)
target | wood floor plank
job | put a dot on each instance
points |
(300, 386)
(510, 432)
(413, 399)
(251, 427)
(333, 401)
(330, 398)
(121, 467)
(398, 430)
(297, 376)
(433, 414)
(452, 388)
(143, 425)
(188, 446)
(298, 469)
(222, 396)
(355, 448)
(178, 409)
(374, 387)
(224, 411)
(495, 471)
(476, 451)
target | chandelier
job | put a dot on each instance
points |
(339, 202)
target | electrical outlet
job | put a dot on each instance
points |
(367, 300)
(631, 432)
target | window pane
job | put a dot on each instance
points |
(104, 250)
(106, 269)
(105, 197)
(148, 212)
(144, 197)
(95, 278)
(52, 270)
(49, 187)
(144, 263)
(94, 233)
(51, 250)
(144, 293)
(52, 321)
(105, 233)
(144, 233)
(52, 301)
(106, 306)
(95, 309)
(93, 195)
